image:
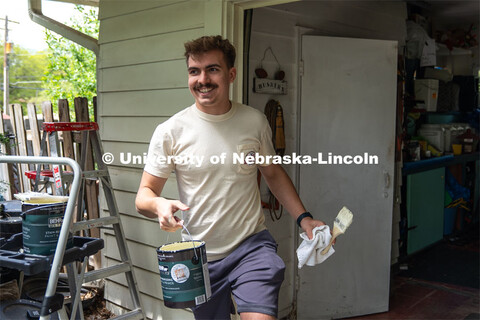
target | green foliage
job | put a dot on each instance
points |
(4, 139)
(26, 70)
(71, 69)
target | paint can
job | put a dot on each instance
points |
(184, 274)
(41, 227)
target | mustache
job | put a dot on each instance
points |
(205, 86)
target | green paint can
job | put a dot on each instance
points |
(184, 274)
(41, 227)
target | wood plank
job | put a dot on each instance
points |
(126, 200)
(155, 48)
(127, 154)
(153, 21)
(64, 116)
(140, 253)
(34, 128)
(21, 136)
(150, 234)
(11, 112)
(129, 129)
(95, 109)
(148, 282)
(18, 186)
(149, 76)
(47, 112)
(6, 170)
(148, 103)
(109, 9)
(128, 179)
(91, 199)
(125, 179)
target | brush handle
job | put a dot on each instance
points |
(324, 251)
(335, 234)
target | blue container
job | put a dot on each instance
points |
(440, 118)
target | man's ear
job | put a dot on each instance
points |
(232, 74)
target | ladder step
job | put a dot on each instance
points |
(94, 174)
(134, 314)
(95, 223)
(106, 272)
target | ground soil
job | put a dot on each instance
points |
(96, 310)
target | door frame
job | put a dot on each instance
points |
(231, 26)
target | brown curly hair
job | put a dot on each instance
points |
(209, 43)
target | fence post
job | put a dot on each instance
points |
(6, 172)
(91, 199)
(22, 146)
(34, 129)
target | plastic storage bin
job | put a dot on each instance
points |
(434, 134)
(427, 90)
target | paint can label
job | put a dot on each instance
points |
(184, 276)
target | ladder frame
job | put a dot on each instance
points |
(67, 219)
(90, 135)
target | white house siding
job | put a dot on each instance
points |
(141, 82)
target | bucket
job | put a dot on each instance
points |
(41, 227)
(184, 274)
(10, 226)
(22, 309)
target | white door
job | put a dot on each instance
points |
(348, 98)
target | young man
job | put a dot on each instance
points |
(220, 196)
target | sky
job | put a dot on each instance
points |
(26, 33)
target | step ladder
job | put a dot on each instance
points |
(61, 180)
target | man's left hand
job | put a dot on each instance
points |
(308, 224)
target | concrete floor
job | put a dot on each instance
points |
(417, 299)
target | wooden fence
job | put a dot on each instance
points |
(25, 135)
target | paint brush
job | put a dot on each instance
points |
(341, 223)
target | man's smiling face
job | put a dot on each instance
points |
(209, 79)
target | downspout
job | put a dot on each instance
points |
(35, 13)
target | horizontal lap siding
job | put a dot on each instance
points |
(172, 18)
(141, 83)
(160, 47)
(146, 103)
(158, 75)
(129, 129)
(113, 9)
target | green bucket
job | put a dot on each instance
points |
(184, 274)
(41, 227)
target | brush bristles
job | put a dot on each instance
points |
(344, 219)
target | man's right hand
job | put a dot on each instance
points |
(150, 204)
(166, 210)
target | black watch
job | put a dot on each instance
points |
(303, 215)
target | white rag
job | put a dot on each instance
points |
(309, 251)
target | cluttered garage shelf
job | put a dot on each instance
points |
(439, 239)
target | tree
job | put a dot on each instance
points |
(26, 70)
(71, 69)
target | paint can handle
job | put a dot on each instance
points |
(195, 259)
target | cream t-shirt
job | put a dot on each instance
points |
(205, 151)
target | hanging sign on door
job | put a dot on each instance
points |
(269, 86)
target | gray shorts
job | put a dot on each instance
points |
(253, 273)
